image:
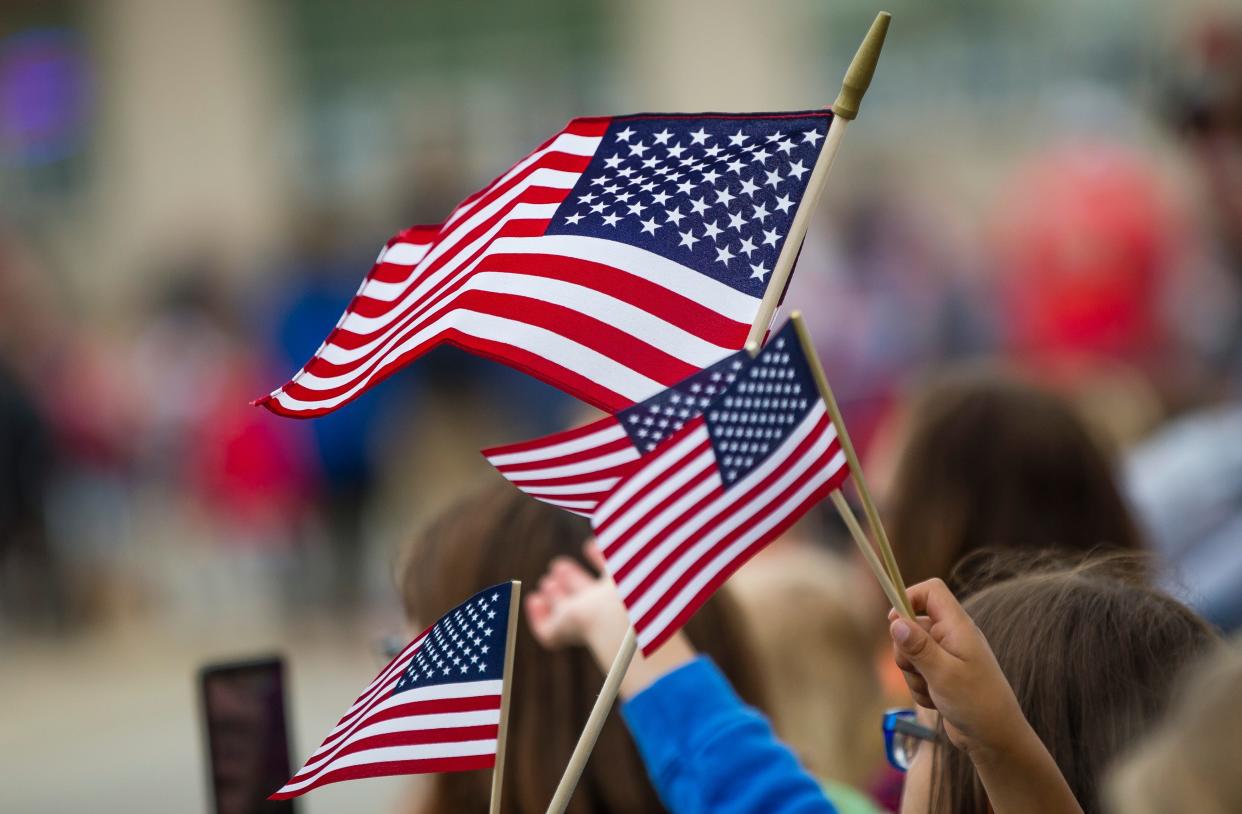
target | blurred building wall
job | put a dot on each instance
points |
(188, 95)
(700, 55)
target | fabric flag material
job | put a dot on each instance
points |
(718, 490)
(576, 469)
(617, 259)
(434, 708)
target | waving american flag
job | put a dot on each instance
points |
(718, 490)
(617, 259)
(436, 707)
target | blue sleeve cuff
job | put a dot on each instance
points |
(706, 751)
(679, 709)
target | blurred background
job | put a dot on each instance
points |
(191, 191)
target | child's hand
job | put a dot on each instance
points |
(949, 667)
(571, 606)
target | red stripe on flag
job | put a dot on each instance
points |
(737, 503)
(715, 582)
(395, 767)
(548, 440)
(573, 325)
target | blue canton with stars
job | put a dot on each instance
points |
(716, 193)
(466, 644)
(651, 421)
(770, 397)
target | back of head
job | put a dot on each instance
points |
(1191, 761)
(991, 461)
(498, 534)
(1092, 654)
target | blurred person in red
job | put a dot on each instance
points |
(244, 480)
(1086, 244)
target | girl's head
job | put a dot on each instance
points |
(498, 534)
(990, 461)
(1191, 761)
(1092, 654)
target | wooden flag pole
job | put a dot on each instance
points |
(877, 568)
(595, 723)
(502, 734)
(860, 483)
(844, 110)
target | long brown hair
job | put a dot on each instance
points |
(497, 534)
(1093, 655)
(992, 461)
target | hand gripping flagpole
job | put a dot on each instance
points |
(844, 110)
(498, 771)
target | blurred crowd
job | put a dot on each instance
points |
(1049, 356)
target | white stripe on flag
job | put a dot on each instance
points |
(735, 513)
(622, 554)
(418, 296)
(723, 503)
(394, 753)
(542, 177)
(595, 439)
(621, 379)
(567, 143)
(731, 552)
(607, 461)
(405, 254)
(409, 723)
(649, 266)
(395, 703)
(588, 487)
(648, 473)
(616, 313)
(686, 472)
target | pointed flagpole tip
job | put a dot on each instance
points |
(862, 68)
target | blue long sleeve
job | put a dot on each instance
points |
(706, 751)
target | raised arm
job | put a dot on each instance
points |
(704, 749)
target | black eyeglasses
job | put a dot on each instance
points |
(902, 736)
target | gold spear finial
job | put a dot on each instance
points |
(862, 67)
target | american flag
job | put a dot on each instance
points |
(577, 468)
(617, 259)
(436, 707)
(719, 489)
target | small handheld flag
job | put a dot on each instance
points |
(439, 706)
(617, 259)
(719, 489)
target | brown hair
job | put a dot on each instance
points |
(1092, 654)
(497, 534)
(1191, 763)
(991, 461)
